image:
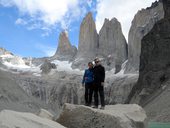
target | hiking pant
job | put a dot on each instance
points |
(98, 88)
(88, 93)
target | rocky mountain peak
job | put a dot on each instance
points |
(65, 50)
(112, 42)
(88, 17)
(142, 23)
(4, 52)
(88, 42)
(88, 38)
(64, 43)
(154, 68)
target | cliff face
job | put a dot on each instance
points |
(142, 23)
(88, 43)
(112, 42)
(65, 50)
(154, 60)
(88, 37)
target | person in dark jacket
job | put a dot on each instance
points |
(99, 77)
(88, 81)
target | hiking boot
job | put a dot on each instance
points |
(102, 107)
(86, 104)
(95, 107)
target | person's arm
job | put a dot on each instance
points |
(103, 74)
(84, 77)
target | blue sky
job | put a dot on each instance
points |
(31, 27)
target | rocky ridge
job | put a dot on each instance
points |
(115, 116)
(154, 73)
(65, 50)
(142, 23)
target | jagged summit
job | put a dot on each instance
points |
(112, 42)
(65, 50)
(88, 37)
(142, 23)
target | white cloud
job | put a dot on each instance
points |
(48, 13)
(47, 50)
(20, 21)
(123, 10)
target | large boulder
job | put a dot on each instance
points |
(118, 87)
(88, 42)
(112, 43)
(154, 60)
(47, 66)
(142, 23)
(13, 119)
(14, 98)
(114, 116)
(45, 114)
(65, 50)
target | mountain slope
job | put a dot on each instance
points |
(14, 98)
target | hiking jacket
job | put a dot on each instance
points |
(99, 74)
(88, 76)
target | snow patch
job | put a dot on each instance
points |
(65, 66)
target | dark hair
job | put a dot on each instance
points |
(90, 63)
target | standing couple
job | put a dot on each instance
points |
(93, 80)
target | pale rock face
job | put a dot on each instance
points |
(88, 38)
(142, 23)
(154, 61)
(88, 43)
(114, 116)
(65, 50)
(112, 42)
(45, 114)
(13, 119)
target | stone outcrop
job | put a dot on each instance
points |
(118, 87)
(142, 23)
(4, 52)
(45, 114)
(88, 42)
(47, 66)
(88, 37)
(154, 60)
(114, 116)
(14, 98)
(65, 50)
(112, 43)
(13, 119)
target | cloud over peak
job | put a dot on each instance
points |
(123, 10)
(49, 13)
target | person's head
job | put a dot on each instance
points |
(97, 61)
(90, 65)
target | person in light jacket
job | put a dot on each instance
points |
(87, 81)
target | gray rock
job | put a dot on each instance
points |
(114, 116)
(88, 42)
(154, 60)
(45, 114)
(142, 23)
(65, 50)
(47, 66)
(112, 43)
(117, 88)
(13, 119)
(13, 97)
